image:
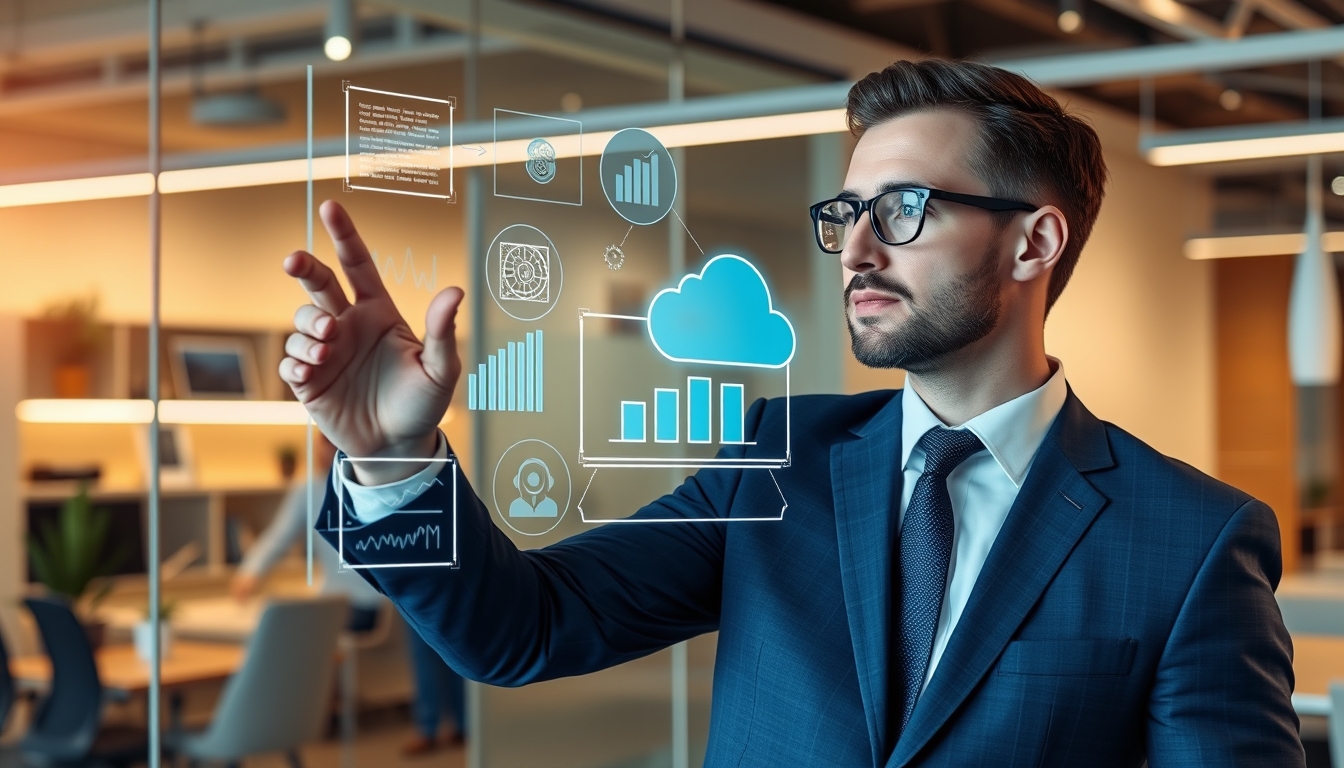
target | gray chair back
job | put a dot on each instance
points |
(282, 694)
(1312, 614)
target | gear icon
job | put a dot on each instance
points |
(614, 256)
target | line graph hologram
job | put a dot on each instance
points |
(402, 541)
(388, 267)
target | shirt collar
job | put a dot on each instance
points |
(1012, 431)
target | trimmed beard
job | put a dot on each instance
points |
(958, 315)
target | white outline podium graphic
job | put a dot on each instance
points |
(627, 462)
(340, 510)
(633, 462)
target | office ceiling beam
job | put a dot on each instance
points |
(1176, 58)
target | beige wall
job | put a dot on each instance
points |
(1135, 326)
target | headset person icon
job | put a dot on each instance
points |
(533, 480)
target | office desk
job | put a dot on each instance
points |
(1317, 660)
(124, 674)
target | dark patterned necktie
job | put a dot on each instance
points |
(925, 552)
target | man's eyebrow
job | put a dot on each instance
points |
(886, 186)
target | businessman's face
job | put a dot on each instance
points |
(911, 306)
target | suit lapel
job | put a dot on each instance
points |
(1053, 510)
(866, 485)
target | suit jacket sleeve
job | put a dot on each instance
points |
(1222, 693)
(608, 595)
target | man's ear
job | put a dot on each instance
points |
(1041, 238)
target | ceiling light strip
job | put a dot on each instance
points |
(326, 168)
(1241, 246)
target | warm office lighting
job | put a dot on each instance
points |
(1337, 185)
(1237, 246)
(232, 412)
(340, 30)
(254, 412)
(1242, 143)
(1230, 99)
(514, 151)
(1070, 21)
(85, 411)
(337, 48)
(1314, 338)
(70, 190)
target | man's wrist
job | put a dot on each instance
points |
(397, 462)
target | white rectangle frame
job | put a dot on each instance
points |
(340, 510)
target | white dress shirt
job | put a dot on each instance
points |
(983, 487)
(371, 503)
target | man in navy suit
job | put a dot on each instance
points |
(974, 571)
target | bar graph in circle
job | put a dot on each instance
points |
(637, 183)
(699, 414)
(511, 379)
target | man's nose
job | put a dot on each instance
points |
(863, 252)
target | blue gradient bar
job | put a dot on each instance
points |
(666, 415)
(698, 409)
(620, 188)
(500, 382)
(639, 182)
(540, 370)
(632, 421)
(471, 391)
(492, 403)
(629, 186)
(511, 381)
(644, 179)
(523, 367)
(482, 381)
(527, 398)
(652, 197)
(730, 413)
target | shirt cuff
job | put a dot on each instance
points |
(371, 503)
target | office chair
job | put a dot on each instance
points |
(67, 729)
(6, 685)
(279, 699)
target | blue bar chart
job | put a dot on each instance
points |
(637, 183)
(699, 416)
(511, 379)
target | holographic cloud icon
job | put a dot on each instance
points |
(721, 316)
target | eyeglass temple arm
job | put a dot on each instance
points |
(980, 201)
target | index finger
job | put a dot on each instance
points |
(350, 251)
(318, 280)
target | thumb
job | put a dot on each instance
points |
(439, 357)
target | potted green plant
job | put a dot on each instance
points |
(69, 556)
(144, 632)
(80, 336)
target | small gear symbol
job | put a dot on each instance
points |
(614, 256)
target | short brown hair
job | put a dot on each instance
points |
(1030, 148)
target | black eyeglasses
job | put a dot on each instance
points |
(897, 215)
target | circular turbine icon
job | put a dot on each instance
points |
(614, 256)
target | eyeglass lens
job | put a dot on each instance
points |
(897, 215)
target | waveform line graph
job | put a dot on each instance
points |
(402, 541)
(388, 267)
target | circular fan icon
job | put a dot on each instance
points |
(614, 257)
(524, 272)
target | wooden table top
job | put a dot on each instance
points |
(121, 670)
(1317, 659)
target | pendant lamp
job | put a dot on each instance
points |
(1314, 322)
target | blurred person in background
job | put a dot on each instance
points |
(437, 687)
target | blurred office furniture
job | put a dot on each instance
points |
(67, 728)
(374, 671)
(279, 699)
(1313, 611)
(7, 694)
